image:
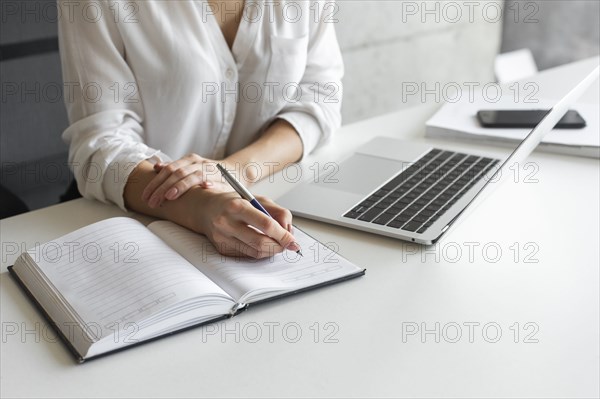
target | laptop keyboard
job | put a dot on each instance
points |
(415, 198)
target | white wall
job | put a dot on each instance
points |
(388, 43)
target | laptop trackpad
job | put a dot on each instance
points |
(359, 174)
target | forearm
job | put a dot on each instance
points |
(279, 146)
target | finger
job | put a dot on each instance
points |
(267, 225)
(162, 176)
(155, 182)
(263, 244)
(193, 179)
(216, 185)
(193, 158)
(231, 227)
(280, 214)
(234, 247)
(178, 183)
(180, 187)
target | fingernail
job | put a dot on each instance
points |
(208, 184)
(293, 246)
(289, 227)
(172, 193)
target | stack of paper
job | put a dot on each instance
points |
(459, 121)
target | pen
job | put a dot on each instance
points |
(244, 193)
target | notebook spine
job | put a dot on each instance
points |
(238, 307)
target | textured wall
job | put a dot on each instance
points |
(386, 44)
(556, 31)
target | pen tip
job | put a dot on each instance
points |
(299, 253)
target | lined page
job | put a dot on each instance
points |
(117, 271)
(246, 279)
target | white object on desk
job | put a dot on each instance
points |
(459, 121)
(515, 65)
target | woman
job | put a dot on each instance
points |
(157, 91)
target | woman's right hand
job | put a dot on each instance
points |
(236, 228)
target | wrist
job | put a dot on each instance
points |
(190, 209)
(246, 171)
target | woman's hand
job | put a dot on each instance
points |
(231, 223)
(236, 228)
(176, 178)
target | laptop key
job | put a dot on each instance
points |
(383, 219)
(403, 217)
(396, 224)
(395, 211)
(412, 226)
(420, 218)
(360, 209)
(413, 209)
(352, 215)
(370, 215)
(427, 212)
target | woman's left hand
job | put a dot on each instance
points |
(177, 177)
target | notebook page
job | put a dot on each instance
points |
(248, 279)
(116, 271)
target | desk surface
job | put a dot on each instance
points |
(507, 304)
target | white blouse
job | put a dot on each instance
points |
(149, 79)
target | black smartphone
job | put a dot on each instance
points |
(526, 119)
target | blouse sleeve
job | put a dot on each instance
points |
(317, 114)
(106, 135)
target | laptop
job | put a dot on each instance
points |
(409, 190)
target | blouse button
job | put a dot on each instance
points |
(229, 73)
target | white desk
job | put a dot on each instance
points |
(558, 216)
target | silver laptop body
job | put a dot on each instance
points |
(390, 180)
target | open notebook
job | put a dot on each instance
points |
(116, 283)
